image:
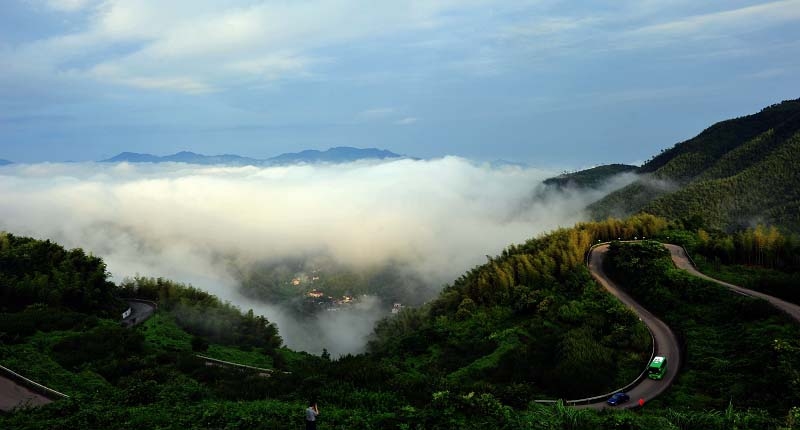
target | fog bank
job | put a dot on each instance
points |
(196, 224)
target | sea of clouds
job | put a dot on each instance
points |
(199, 224)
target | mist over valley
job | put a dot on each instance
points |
(322, 250)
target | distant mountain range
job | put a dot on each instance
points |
(735, 173)
(5, 162)
(341, 154)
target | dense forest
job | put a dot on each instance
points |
(529, 323)
(42, 272)
(734, 174)
(589, 178)
(761, 258)
(205, 315)
(531, 317)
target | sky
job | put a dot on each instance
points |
(546, 82)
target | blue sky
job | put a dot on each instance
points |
(545, 82)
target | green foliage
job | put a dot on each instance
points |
(107, 349)
(254, 357)
(715, 327)
(161, 332)
(203, 314)
(35, 360)
(472, 359)
(589, 178)
(15, 327)
(531, 316)
(732, 174)
(761, 258)
(720, 139)
(760, 246)
(785, 285)
(768, 189)
(34, 271)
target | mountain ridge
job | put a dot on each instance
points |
(735, 173)
(339, 154)
(589, 178)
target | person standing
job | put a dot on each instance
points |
(311, 415)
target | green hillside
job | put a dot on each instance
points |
(736, 172)
(528, 323)
(590, 177)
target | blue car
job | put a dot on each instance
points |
(618, 399)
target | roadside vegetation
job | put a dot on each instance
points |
(738, 350)
(732, 174)
(529, 323)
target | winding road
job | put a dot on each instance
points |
(141, 310)
(682, 261)
(666, 343)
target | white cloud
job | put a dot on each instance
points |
(217, 43)
(406, 121)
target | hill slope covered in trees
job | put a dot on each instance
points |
(735, 173)
(527, 323)
(589, 178)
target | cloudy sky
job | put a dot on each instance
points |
(540, 81)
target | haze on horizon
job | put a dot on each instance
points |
(543, 82)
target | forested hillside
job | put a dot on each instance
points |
(42, 272)
(530, 322)
(735, 173)
(593, 177)
(527, 324)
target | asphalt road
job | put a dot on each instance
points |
(666, 344)
(665, 341)
(13, 395)
(682, 261)
(140, 312)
